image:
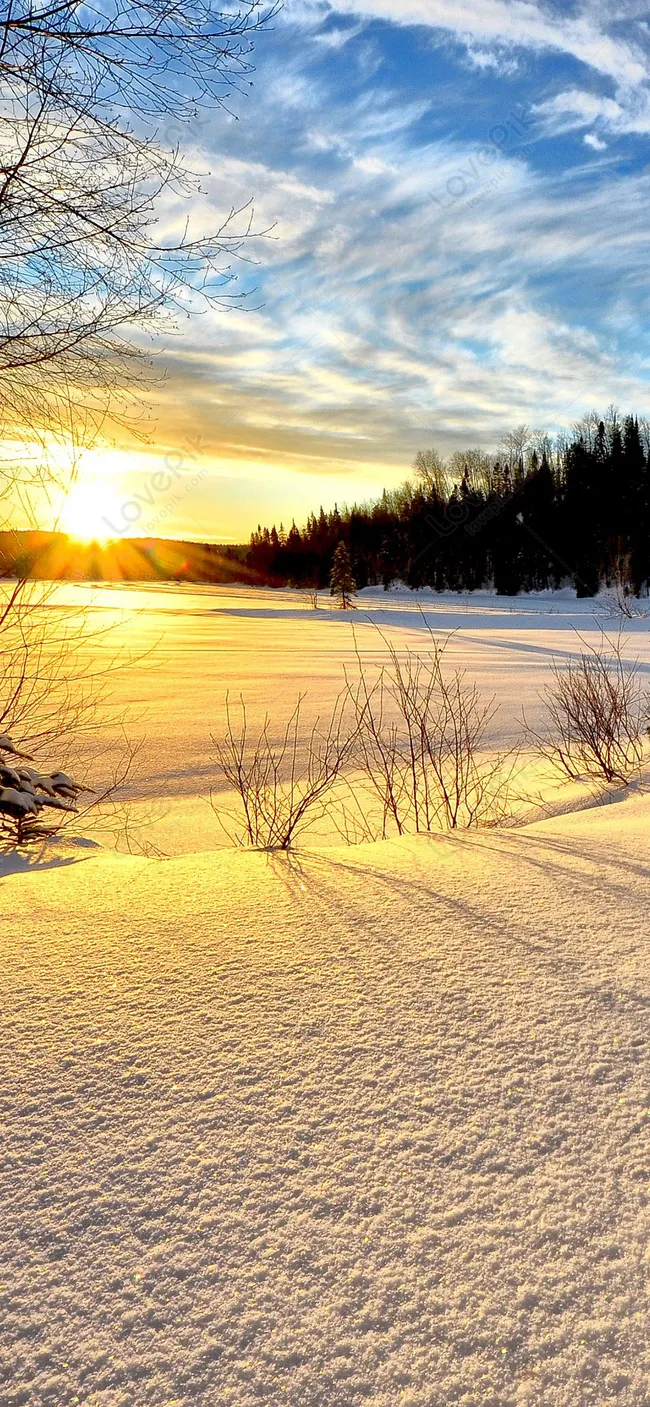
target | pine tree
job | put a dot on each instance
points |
(342, 583)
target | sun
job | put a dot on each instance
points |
(86, 514)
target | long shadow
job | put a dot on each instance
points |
(592, 856)
(310, 866)
(628, 866)
(29, 862)
(471, 629)
(542, 651)
(400, 888)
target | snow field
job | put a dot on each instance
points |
(355, 1126)
(189, 646)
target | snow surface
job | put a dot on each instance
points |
(357, 1125)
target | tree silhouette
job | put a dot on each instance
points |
(535, 515)
(342, 583)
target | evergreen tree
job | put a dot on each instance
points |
(635, 505)
(386, 563)
(582, 519)
(578, 511)
(537, 519)
(342, 583)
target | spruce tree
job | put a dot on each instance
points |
(342, 583)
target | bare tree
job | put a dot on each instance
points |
(153, 56)
(83, 97)
(473, 467)
(513, 448)
(281, 785)
(597, 715)
(431, 472)
(586, 428)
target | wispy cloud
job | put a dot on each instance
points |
(519, 23)
(445, 258)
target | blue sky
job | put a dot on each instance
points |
(458, 201)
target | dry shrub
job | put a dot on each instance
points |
(309, 594)
(281, 786)
(598, 715)
(51, 681)
(421, 742)
(414, 736)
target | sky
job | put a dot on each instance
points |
(451, 213)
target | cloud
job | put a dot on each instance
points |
(337, 36)
(495, 33)
(516, 24)
(573, 108)
(501, 60)
(389, 319)
(418, 287)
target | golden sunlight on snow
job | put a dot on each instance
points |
(367, 1124)
(359, 1123)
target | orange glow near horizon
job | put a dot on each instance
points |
(63, 557)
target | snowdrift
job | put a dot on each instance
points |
(353, 1126)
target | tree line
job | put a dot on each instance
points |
(537, 514)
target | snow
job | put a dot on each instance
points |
(186, 646)
(355, 1125)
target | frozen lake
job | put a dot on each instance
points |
(190, 646)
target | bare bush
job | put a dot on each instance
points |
(414, 737)
(421, 736)
(309, 594)
(281, 786)
(598, 714)
(55, 669)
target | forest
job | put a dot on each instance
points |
(537, 514)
